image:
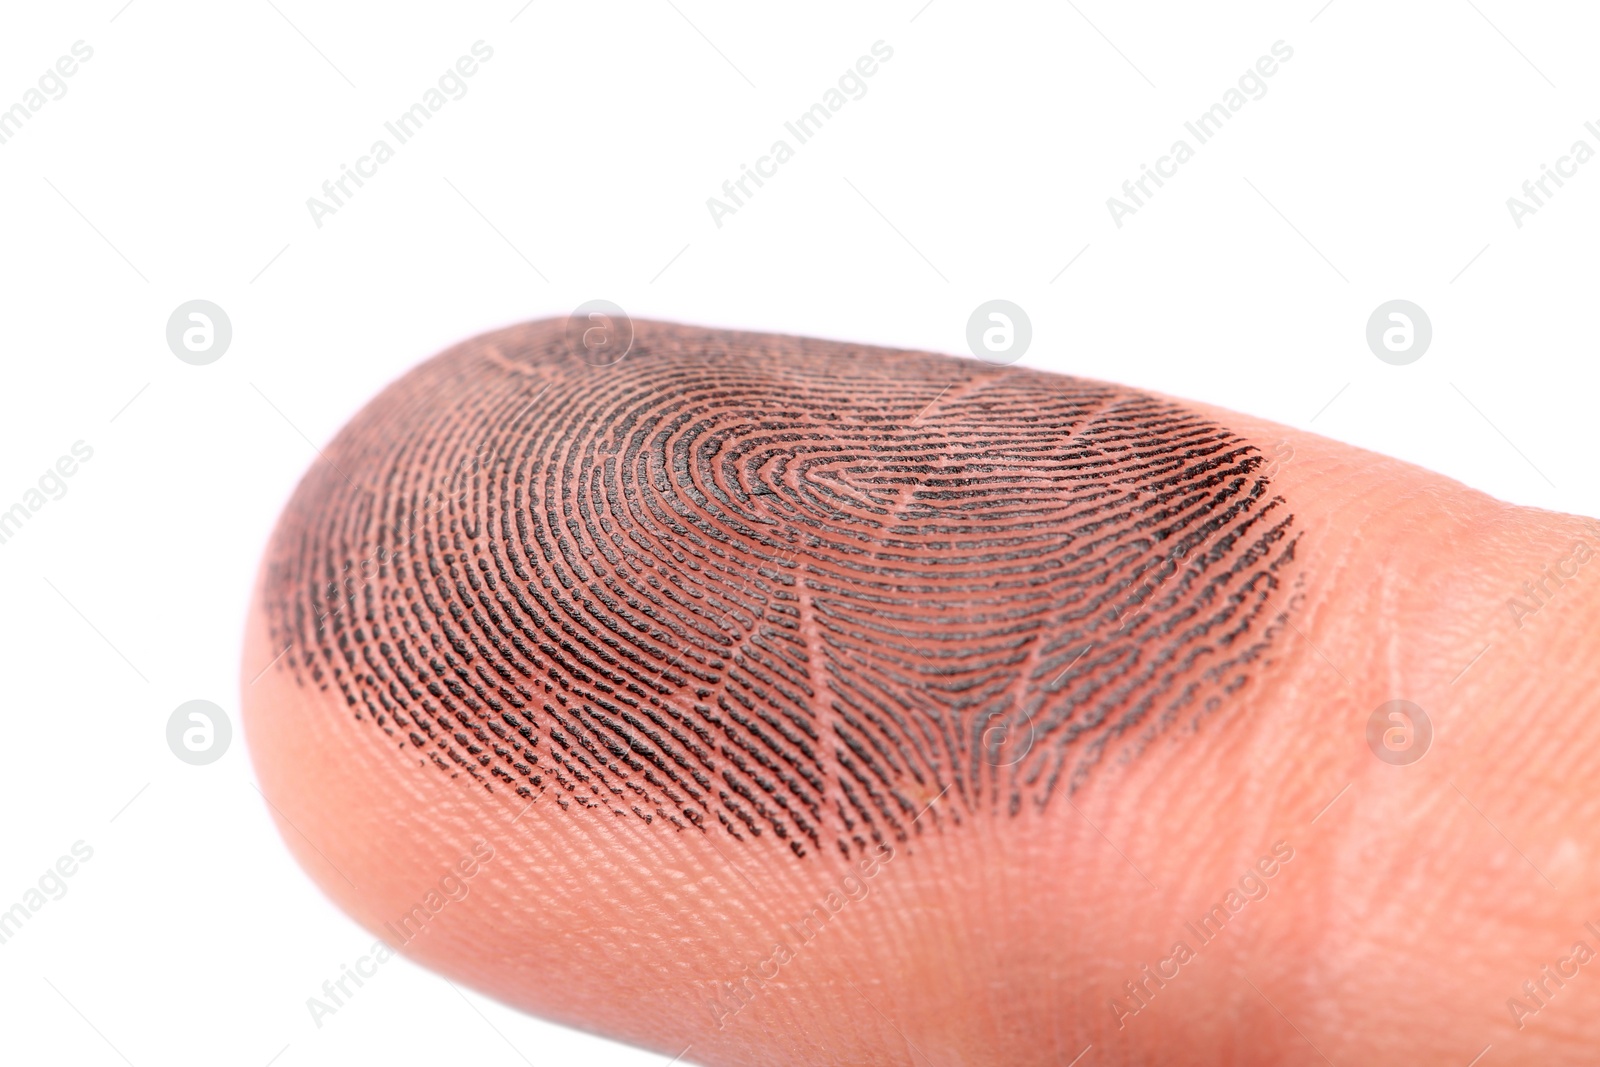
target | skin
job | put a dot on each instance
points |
(1416, 901)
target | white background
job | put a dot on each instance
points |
(577, 166)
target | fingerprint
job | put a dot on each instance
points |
(745, 584)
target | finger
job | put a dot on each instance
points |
(789, 701)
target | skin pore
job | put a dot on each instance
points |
(825, 704)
